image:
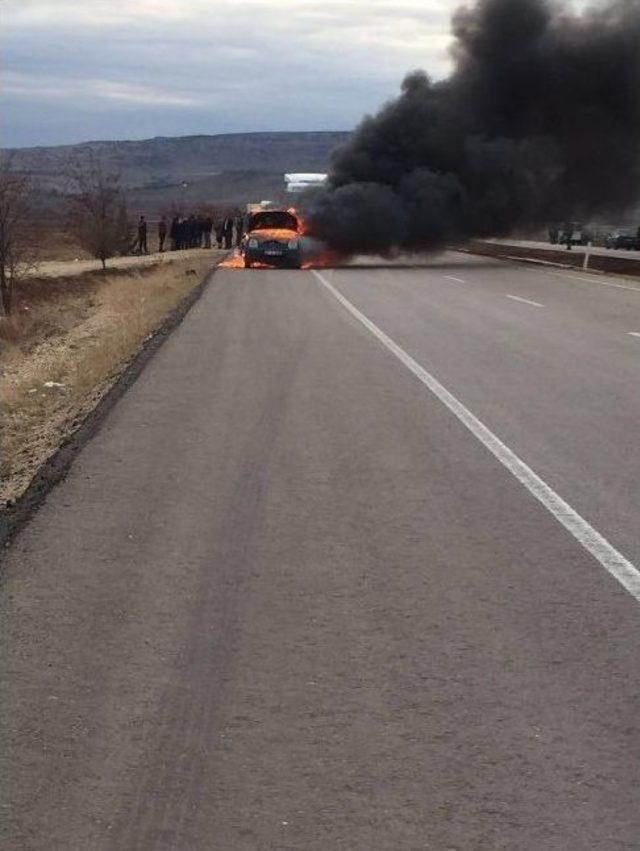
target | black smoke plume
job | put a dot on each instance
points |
(539, 123)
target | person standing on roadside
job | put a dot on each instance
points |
(228, 232)
(202, 225)
(239, 231)
(207, 227)
(568, 235)
(174, 232)
(219, 228)
(162, 233)
(191, 227)
(142, 236)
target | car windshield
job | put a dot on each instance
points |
(273, 220)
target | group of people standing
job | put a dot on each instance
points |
(229, 231)
(192, 232)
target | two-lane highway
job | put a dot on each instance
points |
(292, 596)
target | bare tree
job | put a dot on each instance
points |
(16, 250)
(99, 217)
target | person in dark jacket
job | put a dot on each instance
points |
(192, 231)
(173, 232)
(162, 233)
(219, 228)
(207, 227)
(228, 232)
(142, 236)
(239, 231)
(182, 233)
(201, 235)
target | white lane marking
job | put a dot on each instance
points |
(525, 301)
(457, 280)
(634, 334)
(613, 561)
(596, 281)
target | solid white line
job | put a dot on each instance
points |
(525, 301)
(612, 561)
(457, 280)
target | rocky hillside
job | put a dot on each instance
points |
(224, 165)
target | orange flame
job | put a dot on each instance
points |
(234, 261)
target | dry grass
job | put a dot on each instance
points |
(68, 343)
(56, 243)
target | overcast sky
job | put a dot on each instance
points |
(74, 70)
(78, 70)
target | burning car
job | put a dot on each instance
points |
(272, 238)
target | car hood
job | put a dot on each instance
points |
(273, 233)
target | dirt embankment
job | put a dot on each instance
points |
(69, 339)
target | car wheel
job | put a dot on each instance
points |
(248, 264)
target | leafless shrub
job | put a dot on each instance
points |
(98, 217)
(16, 250)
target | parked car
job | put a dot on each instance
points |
(623, 239)
(272, 238)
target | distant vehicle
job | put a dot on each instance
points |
(578, 233)
(258, 208)
(272, 238)
(301, 182)
(622, 239)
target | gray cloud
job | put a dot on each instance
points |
(107, 69)
(76, 70)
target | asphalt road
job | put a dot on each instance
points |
(287, 600)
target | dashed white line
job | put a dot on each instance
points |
(613, 561)
(457, 280)
(525, 301)
(596, 281)
(634, 334)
